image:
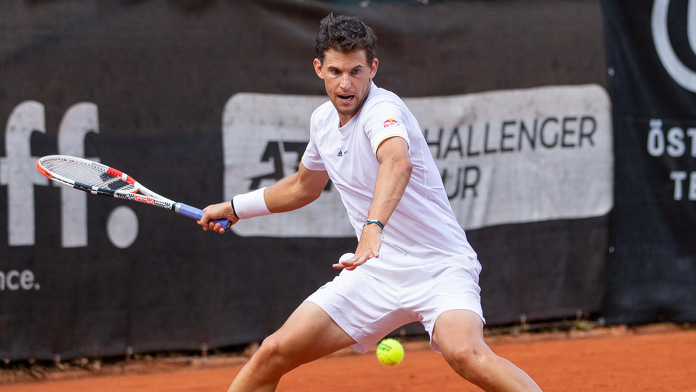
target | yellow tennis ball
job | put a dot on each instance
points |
(390, 352)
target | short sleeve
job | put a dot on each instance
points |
(385, 120)
(311, 158)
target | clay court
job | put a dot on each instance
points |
(618, 359)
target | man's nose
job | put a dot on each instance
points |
(344, 82)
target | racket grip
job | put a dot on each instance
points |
(197, 214)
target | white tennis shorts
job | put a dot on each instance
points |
(396, 289)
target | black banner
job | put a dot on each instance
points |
(652, 271)
(150, 87)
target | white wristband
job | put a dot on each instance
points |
(249, 205)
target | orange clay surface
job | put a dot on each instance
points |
(617, 359)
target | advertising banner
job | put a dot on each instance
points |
(505, 157)
(652, 63)
(203, 100)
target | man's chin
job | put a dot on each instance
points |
(344, 111)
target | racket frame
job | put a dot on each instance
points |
(138, 193)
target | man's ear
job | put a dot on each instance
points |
(318, 68)
(373, 68)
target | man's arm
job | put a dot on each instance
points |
(296, 190)
(292, 192)
(392, 178)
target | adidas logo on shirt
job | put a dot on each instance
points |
(341, 153)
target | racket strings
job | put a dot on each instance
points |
(119, 184)
(90, 175)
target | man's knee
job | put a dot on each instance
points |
(270, 350)
(469, 359)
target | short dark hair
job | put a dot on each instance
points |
(345, 34)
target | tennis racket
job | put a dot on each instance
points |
(98, 179)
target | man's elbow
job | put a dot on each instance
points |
(404, 167)
(310, 197)
(307, 196)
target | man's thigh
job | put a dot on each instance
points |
(308, 334)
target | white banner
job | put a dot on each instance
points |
(506, 156)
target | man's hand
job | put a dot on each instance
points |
(218, 211)
(368, 247)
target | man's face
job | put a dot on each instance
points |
(347, 78)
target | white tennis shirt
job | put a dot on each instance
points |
(423, 224)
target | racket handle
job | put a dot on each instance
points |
(197, 214)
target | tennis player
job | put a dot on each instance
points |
(412, 261)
